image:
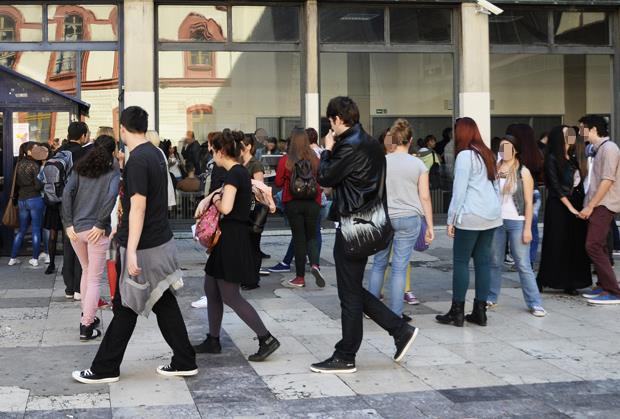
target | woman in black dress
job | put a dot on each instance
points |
(564, 262)
(231, 263)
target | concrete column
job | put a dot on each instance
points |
(474, 95)
(575, 97)
(139, 56)
(312, 103)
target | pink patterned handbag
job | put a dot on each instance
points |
(208, 227)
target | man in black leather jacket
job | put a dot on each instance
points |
(352, 164)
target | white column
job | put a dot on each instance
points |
(474, 95)
(139, 51)
(312, 104)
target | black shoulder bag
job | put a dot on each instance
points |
(367, 232)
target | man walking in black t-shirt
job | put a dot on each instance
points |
(149, 270)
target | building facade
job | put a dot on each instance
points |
(206, 65)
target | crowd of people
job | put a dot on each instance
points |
(378, 194)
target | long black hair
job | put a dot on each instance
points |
(100, 160)
(556, 145)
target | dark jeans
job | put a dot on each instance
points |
(290, 252)
(356, 300)
(472, 244)
(597, 248)
(108, 360)
(302, 216)
(71, 268)
(30, 212)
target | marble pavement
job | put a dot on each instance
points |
(564, 365)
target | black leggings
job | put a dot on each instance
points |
(220, 292)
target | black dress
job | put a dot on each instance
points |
(232, 259)
(564, 262)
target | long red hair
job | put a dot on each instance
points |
(299, 149)
(467, 137)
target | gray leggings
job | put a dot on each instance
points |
(220, 292)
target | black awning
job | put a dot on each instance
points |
(18, 91)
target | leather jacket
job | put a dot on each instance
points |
(559, 180)
(353, 169)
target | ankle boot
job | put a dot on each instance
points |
(478, 314)
(211, 345)
(454, 316)
(266, 346)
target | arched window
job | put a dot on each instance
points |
(200, 64)
(8, 33)
(73, 31)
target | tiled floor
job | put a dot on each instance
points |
(564, 365)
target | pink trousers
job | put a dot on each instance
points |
(93, 260)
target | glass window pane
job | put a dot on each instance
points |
(100, 89)
(537, 86)
(20, 23)
(581, 28)
(265, 24)
(519, 27)
(415, 86)
(351, 24)
(40, 127)
(232, 95)
(74, 23)
(409, 25)
(192, 23)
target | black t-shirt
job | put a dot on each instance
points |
(146, 173)
(239, 177)
(76, 150)
(218, 174)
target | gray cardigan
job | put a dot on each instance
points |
(88, 202)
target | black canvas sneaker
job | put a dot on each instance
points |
(89, 377)
(266, 346)
(404, 342)
(334, 365)
(169, 371)
(89, 333)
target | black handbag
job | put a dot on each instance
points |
(258, 217)
(366, 233)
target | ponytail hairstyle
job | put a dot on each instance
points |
(250, 140)
(100, 160)
(24, 149)
(401, 132)
(467, 137)
(228, 142)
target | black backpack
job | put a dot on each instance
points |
(434, 174)
(303, 184)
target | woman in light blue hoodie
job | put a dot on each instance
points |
(473, 216)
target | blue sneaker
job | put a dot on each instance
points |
(594, 293)
(604, 298)
(280, 268)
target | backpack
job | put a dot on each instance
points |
(208, 229)
(434, 175)
(54, 174)
(303, 184)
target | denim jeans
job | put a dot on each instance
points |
(513, 229)
(406, 231)
(468, 244)
(30, 212)
(535, 235)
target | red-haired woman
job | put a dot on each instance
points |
(302, 212)
(473, 216)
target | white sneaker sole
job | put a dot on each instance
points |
(603, 303)
(408, 345)
(320, 371)
(177, 373)
(76, 377)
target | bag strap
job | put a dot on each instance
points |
(14, 181)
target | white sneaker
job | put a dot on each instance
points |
(538, 312)
(201, 303)
(45, 257)
(34, 263)
(14, 262)
(77, 296)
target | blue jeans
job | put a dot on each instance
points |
(513, 229)
(406, 231)
(30, 212)
(468, 244)
(535, 235)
